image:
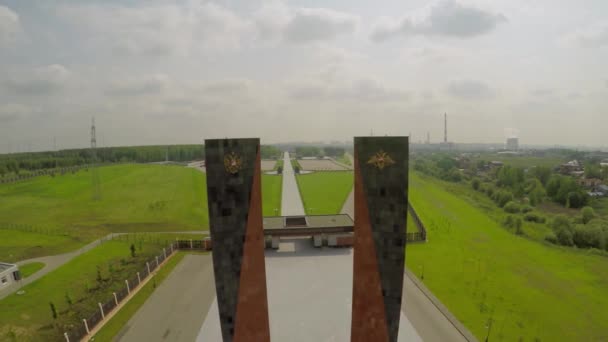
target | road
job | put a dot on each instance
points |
(177, 308)
(291, 202)
(430, 318)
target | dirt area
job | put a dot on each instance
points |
(321, 165)
(268, 165)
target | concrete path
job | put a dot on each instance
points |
(177, 308)
(291, 202)
(52, 262)
(432, 321)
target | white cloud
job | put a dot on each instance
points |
(38, 81)
(11, 112)
(157, 30)
(134, 86)
(357, 90)
(9, 25)
(595, 35)
(470, 90)
(313, 24)
(447, 18)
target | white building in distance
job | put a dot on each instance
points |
(9, 274)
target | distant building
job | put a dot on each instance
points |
(590, 183)
(512, 144)
(572, 167)
(9, 274)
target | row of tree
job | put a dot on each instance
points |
(315, 151)
(27, 162)
(585, 231)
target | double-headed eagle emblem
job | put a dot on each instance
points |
(232, 163)
(381, 160)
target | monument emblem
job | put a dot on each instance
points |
(232, 163)
(381, 160)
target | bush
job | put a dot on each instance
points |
(533, 217)
(588, 214)
(509, 221)
(561, 222)
(551, 238)
(526, 209)
(502, 198)
(589, 237)
(564, 237)
(512, 207)
(518, 224)
(475, 184)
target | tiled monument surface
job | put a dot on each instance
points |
(235, 219)
(381, 182)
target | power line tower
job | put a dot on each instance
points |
(95, 182)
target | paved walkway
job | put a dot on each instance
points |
(52, 262)
(291, 202)
(177, 308)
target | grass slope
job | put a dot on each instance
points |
(480, 271)
(17, 245)
(325, 192)
(28, 316)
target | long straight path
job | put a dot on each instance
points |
(291, 202)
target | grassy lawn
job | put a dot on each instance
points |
(30, 268)
(17, 245)
(134, 198)
(113, 327)
(325, 192)
(481, 271)
(271, 194)
(27, 317)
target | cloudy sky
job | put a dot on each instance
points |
(181, 71)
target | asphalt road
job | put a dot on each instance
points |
(177, 308)
(291, 202)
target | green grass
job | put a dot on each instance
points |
(294, 163)
(28, 316)
(271, 194)
(134, 198)
(114, 325)
(17, 245)
(30, 268)
(479, 270)
(278, 164)
(325, 192)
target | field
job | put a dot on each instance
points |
(28, 316)
(268, 165)
(30, 268)
(324, 192)
(271, 194)
(49, 216)
(483, 272)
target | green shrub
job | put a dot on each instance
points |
(534, 217)
(475, 184)
(551, 238)
(587, 214)
(526, 209)
(564, 236)
(512, 207)
(589, 237)
(509, 221)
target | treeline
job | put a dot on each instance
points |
(314, 151)
(270, 152)
(585, 231)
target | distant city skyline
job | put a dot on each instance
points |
(172, 72)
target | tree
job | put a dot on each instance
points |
(589, 236)
(99, 277)
(68, 298)
(280, 170)
(512, 207)
(518, 224)
(564, 237)
(542, 173)
(475, 184)
(561, 222)
(587, 214)
(53, 310)
(593, 170)
(132, 250)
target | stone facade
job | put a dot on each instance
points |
(381, 183)
(235, 219)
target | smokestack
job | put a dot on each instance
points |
(445, 128)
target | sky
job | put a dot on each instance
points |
(168, 72)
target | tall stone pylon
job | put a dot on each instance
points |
(381, 184)
(235, 218)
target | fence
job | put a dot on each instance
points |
(38, 173)
(419, 236)
(81, 330)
